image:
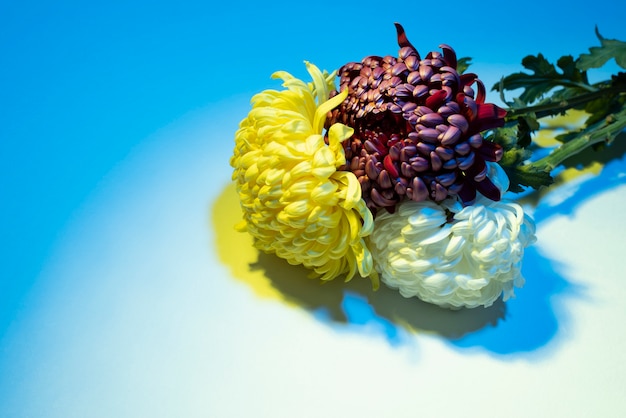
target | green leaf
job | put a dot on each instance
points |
(506, 137)
(545, 78)
(551, 89)
(534, 85)
(570, 71)
(526, 125)
(599, 55)
(598, 109)
(527, 175)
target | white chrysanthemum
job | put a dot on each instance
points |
(450, 255)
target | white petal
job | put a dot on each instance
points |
(454, 246)
(441, 234)
(486, 233)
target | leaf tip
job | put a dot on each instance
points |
(600, 37)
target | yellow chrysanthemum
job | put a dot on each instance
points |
(295, 203)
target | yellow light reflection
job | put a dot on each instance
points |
(267, 275)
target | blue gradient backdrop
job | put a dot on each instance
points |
(82, 84)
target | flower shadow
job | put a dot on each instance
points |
(532, 318)
(517, 326)
(356, 303)
(521, 326)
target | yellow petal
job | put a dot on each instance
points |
(295, 203)
(324, 108)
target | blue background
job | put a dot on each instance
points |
(83, 84)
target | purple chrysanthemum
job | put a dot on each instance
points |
(418, 127)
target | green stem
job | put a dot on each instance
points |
(554, 108)
(604, 132)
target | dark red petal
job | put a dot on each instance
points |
(468, 79)
(419, 190)
(490, 151)
(380, 200)
(436, 100)
(488, 189)
(488, 124)
(438, 192)
(469, 108)
(390, 167)
(403, 40)
(467, 192)
(449, 55)
(490, 110)
(476, 168)
(488, 116)
(480, 93)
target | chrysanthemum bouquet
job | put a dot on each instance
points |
(395, 167)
